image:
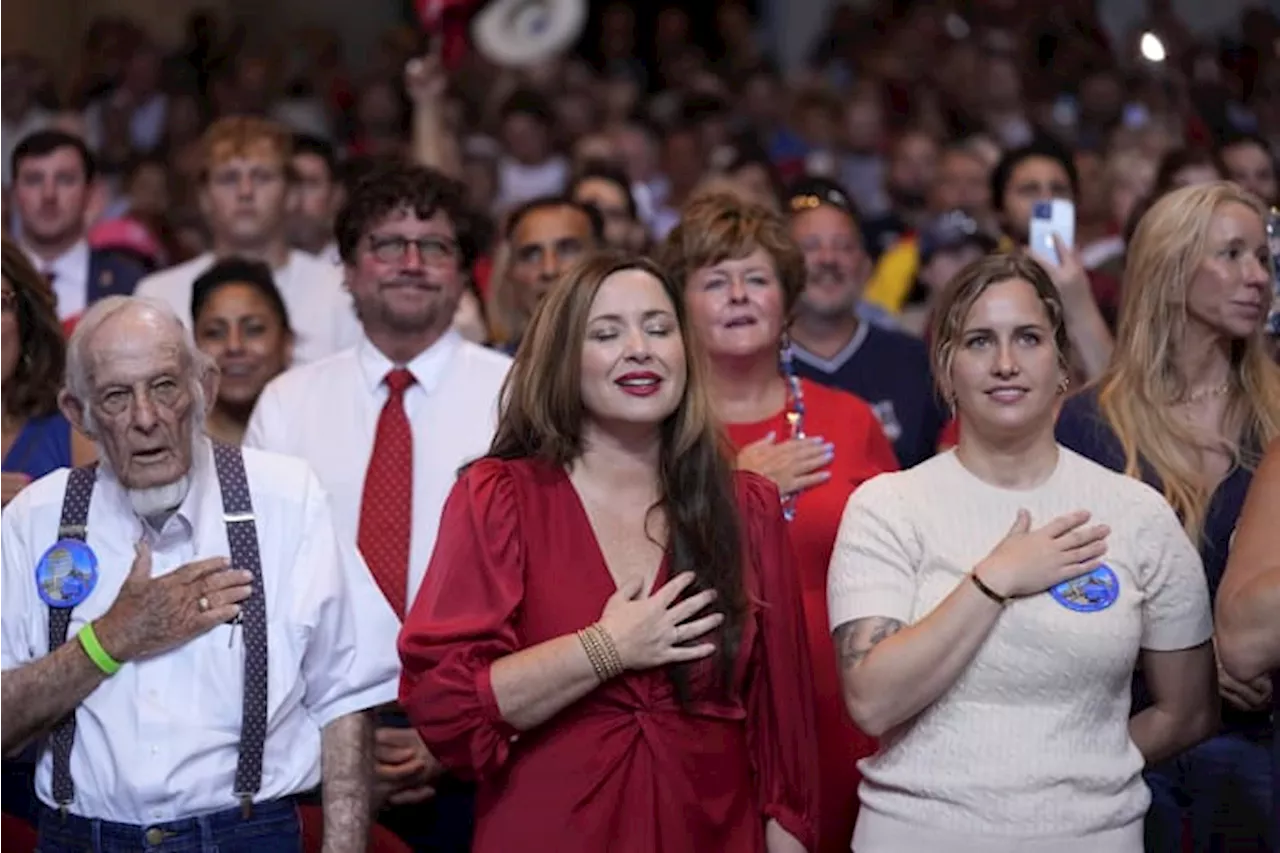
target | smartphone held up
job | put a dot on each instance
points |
(1056, 216)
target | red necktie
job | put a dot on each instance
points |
(386, 507)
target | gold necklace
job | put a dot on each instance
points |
(1202, 394)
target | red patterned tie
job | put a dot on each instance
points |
(386, 507)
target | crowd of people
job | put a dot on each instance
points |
(645, 451)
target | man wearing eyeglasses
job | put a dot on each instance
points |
(247, 193)
(387, 423)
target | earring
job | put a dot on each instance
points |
(1064, 385)
(785, 355)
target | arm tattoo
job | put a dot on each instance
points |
(855, 640)
(347, 781)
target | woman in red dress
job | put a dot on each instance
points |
(609, 632)
(741, 275)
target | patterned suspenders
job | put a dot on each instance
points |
(242, 535)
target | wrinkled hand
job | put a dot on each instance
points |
(1070, 277)
(11, 484)
(649, 632)
(793, 465)
(425, 80)
(1027, 562)
(1252, 695)
(405, 769)
(151, 615)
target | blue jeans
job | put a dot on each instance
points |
(1219, 791)
(272, 828)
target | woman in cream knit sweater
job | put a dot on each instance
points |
(989, 607)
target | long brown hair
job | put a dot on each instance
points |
(32, 391)
(542, 416)
(1142, 380)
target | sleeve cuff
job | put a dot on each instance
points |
(863, 606)
(489, 702)
(1175, 638)
(366, 699)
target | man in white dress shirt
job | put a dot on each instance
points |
(247, 194)
(386, 426)
(200, 646)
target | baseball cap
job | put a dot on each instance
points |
(810, 192)
(953, 230)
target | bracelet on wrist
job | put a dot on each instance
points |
(990, 593)
(93, 648)
(601, 652)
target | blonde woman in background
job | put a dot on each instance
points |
(1187, 404)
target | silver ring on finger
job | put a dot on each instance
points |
(203, 604)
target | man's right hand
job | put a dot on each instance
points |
(151, 615)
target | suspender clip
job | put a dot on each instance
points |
(246, 806)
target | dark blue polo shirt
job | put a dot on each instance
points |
(890, 371)
(1082, 428)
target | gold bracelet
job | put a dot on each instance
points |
(614, 660)
(601, 652)
(592, 649)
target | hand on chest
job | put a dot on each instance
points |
(1095, 614)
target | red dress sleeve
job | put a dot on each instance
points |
(462, 621)
(781, 728)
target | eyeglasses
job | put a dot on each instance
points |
(432, 250)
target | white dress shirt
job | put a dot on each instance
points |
(70, 273)
(158, 741)
(319, 306)
(327, 413)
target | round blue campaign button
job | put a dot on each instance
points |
(67, 573)
(1090, 592)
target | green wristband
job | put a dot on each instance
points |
(89, 640)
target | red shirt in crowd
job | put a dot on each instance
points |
(861, 452)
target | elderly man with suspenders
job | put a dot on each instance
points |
(184, 635)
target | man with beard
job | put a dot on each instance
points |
(197, 647)
(53, 176)
(832, 345)
(387, 424)
(913, 164)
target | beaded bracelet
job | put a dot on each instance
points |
(601, 651)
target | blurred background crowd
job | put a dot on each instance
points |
(903, 142)
(909, 106)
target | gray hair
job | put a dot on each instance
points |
(78, 382)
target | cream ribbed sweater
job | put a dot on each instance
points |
(1029, 750)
